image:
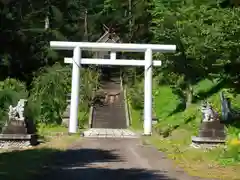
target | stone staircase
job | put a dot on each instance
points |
(111, 113)
(107, 116)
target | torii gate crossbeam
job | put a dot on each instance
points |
(77, 60)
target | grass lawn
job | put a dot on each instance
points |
(23, 164)
(173, 132)
(196, 162)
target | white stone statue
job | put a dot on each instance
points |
(17, 112)
(209, 114)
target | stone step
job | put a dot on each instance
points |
(116, 111)
(100, 120)
(109, 133)
(99, 116)
(112, 114)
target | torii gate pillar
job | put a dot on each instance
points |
(148, 93)
(73, 121)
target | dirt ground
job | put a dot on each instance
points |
(111, 159)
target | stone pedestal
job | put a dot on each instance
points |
(210, 132)
(18, 128)
(19, 131)
(15, 127)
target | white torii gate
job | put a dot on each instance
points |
(77, 60)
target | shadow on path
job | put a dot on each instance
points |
(76, 164)
(89, 164)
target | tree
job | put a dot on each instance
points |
(25, 40)
(201, 32)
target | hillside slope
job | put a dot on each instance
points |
(172, 134)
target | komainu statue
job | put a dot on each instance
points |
(209, 115)
(17, 112)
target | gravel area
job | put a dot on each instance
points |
(14, 144)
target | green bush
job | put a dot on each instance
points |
(136, 94)
(13, 88)
(49, 93)
(13, 84)
(230, 155)
(8, 97)
(89, 82)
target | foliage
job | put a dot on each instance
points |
(89, 84)
(200, 29)
(166, 102)
(205, 46)
(49, 93)
(14, 85)
(50, 89)
(231, 154)
(136, 93)
(25, 40)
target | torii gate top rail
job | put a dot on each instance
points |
(77, 60)
(62, 45)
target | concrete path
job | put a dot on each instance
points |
(109, 133)
(111, 159)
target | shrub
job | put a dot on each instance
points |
(231, 154)
(8, 97)
(14, 85)
(89, 83)
(49, 93)
(136, 92)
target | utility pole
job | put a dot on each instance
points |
(46, 22)
(130, 19)
(86, 25)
